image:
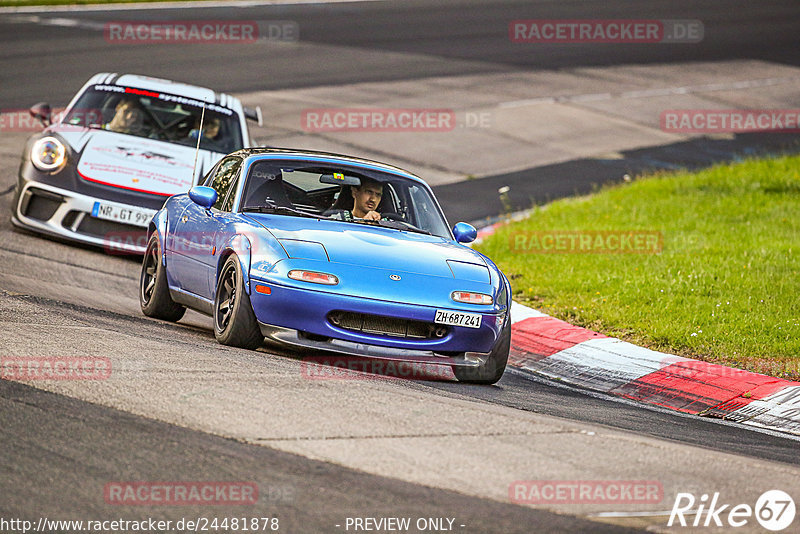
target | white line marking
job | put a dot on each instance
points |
(658, 91)
(520, 312)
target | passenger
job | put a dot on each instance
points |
(210, 130)
(210, 139)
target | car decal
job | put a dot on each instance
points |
(137, 164)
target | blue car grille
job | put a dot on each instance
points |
(386, 326)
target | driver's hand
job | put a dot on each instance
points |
(372, 216)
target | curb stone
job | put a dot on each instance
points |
(558, 350)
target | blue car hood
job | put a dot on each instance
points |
(370, 246)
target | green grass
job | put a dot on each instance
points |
(725, 287)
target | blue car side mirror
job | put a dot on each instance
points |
(204, 196)
(464, 233)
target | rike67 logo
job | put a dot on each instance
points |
(774, 510)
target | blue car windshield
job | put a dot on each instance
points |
(157, 115)
(298, 188)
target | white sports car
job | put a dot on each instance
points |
(100, 169)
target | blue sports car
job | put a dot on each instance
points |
(330, 252)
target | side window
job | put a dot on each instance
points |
(209, 177)
(228, 204)
(225, 180)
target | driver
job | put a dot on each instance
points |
(366, 199)
(128, 118)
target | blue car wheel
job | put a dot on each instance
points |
(235, 323)
(491, 371)
(154, 297)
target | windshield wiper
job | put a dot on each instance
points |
(281, 209)
(394, 225)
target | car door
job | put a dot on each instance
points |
(193, 241)
(176, 239)
(223, 226)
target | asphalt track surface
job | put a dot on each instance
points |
(58, 451)
(78, 446)
(432, 38)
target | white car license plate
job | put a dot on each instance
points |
(123, 214)
(470, 320)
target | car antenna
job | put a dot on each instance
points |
(197, 149)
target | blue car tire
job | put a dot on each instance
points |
(494, 367)
(154, 297)
(235, 323)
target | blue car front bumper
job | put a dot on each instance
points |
(288, 309)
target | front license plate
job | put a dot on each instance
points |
(123, 214)
(470, 320)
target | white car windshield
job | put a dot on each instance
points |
(296, 188)
(157, 115)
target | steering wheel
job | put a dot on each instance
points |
(392, 216)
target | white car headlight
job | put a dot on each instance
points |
(48, 154)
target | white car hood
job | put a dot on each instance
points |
(140, 164)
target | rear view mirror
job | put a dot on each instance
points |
(43, 112)
(203, 196)
(338, 178)
(464, 233)
(254, 114)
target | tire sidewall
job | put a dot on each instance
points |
(147, 254)
(242, 329)
(494, 366)
(160, 305)
(224, 334)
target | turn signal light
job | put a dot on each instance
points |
(467, 297)
(314, 277)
